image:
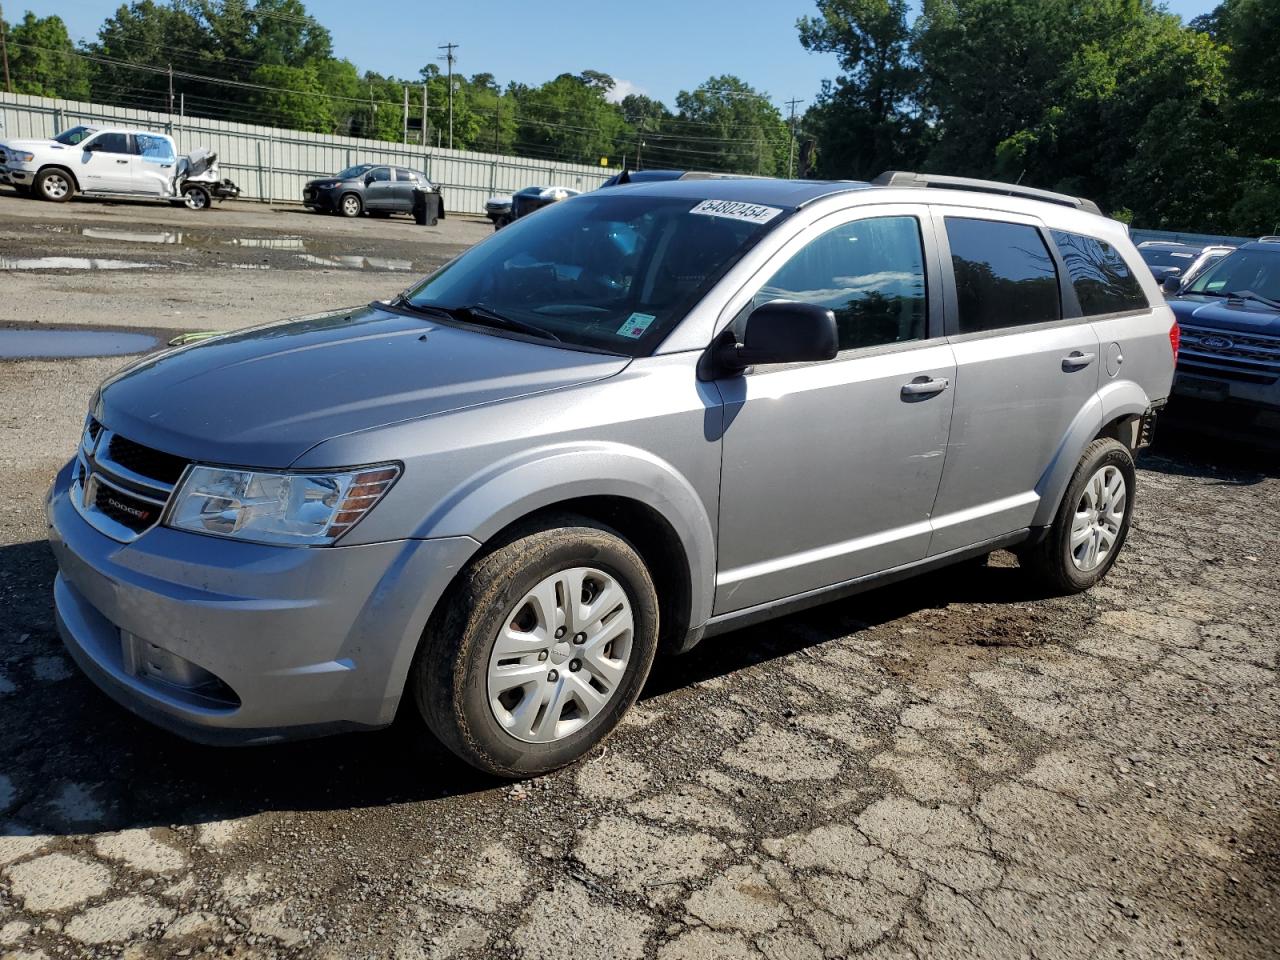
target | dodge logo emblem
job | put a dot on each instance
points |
(126, 508)
(1217, 343)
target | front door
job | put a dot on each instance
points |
(830, 469)
(379, 191)
(1023, 374)
(107, 163)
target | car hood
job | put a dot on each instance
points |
(33, 145)
(1243, 316)
(264, 396)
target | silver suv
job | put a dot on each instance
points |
(643, 417)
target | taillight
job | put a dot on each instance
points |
(1175, 337)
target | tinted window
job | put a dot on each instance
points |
(403, 174)
(153, 147)
(112, 143)
(870, 273)
(1255, 271)
(1005, 275)
(1102, 280)
(380, 173)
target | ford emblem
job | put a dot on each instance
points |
(1217, 343)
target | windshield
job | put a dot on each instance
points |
(1157, 257)
(352, 172)
(606, 271)
(73, 136)
(1245, 271)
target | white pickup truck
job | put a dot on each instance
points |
(113, 162)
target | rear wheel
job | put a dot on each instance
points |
(196, 198)
(539, 649)
(1092, 522)
(55, 185)
(350, 205)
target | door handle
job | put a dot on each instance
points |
(925, 386)
(122, 161)
(1077, 360)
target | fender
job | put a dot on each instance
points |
(1115, 400)
(534, 479)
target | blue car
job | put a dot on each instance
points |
(1229, 319)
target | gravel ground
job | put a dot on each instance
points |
(953, 767)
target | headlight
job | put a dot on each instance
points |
(292, 508)
(24, 157)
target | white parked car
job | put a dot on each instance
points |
(112, 162)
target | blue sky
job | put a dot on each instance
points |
(655, 46)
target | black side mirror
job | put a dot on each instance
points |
(368, 180)
(780, 331)
(1172, 283)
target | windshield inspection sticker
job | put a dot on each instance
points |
(635, 325)
(736, 210)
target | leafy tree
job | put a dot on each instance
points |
(569, 118)
(724, 124)
(296, 98)
(868, 120)
(42, 59)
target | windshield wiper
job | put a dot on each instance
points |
(1250, 295)
(484, 316)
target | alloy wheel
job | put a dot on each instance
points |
(1095, 528)
(56, 186)
(561, 655)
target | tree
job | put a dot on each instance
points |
(568, 118)
(869, 119)
(724, 124)
(43, 60)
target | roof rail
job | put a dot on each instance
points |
(903, 178)
(1269, 239)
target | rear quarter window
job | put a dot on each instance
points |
(1100, 277)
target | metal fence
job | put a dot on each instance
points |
(1197, 239)
(271, 164)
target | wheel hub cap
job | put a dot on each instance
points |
(561, 655)
(1100, 513)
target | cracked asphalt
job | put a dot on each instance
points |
(955, 766)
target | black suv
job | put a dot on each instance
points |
(1230, 329)
(376, 189)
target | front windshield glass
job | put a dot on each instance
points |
(73, 136)
(1157, 257)
(607, 271)
(1245, 271)
(352, 172)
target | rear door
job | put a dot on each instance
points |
(1025, 369)
(107, 163)
(379, 191)
(830, 469)
(154, 168)
(405, 182)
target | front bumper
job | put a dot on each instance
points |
(230, 642)
(16, 175)
(322, 199)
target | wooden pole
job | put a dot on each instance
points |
(4, 52)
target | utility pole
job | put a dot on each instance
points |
(497, 123)
(171, 88)
(373, 114)
(404, 126)
(424, 114)
(791, 147)
(448, 58)
(4, 52)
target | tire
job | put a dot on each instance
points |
(196, 198)
(350, 205)
(1090, 507)
(457, 666)
(55, 185)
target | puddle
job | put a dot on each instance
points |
(17, 344)
(71, 263)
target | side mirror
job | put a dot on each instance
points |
(368, 180)
(780, 331)
(1172, 283)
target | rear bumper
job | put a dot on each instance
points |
(227, 642)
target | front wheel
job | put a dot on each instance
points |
(1092, 522)
(350, 205)
(55, 185)
(539, 649)
(195, 198)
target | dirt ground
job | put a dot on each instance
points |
(951, 767)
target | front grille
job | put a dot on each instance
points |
(119, 486)
(144, 461)
(1228, 355)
